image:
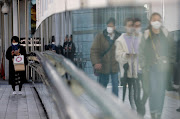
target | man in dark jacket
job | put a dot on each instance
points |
(103, 56)
(71, 48)
(65, 46)
(53, 45)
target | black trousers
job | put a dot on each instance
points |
(134, 90)
(20, 87)
(131, 85)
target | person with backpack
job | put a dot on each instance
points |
(103, 56)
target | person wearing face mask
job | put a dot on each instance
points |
(103, 56)
(140, 106)
(140, 102)
(16, 78)
(126, 55)
(156, 55)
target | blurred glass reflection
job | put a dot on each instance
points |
(142, 58)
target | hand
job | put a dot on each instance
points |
(128, 55)
(16, 52)
(134, 55)
(12, 53)
(98, 66)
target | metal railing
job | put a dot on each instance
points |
(67, 107)
(112, 107)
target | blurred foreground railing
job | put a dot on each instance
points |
(52, 69)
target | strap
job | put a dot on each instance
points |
(110, 46)
(154, 47)
(106, 51)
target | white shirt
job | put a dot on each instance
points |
(111, 36)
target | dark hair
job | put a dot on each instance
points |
(127, 20)
(71, 36)
(152, 15)
(53, 39)
(15, 38)
(137, 20)
(111, 20)
(67, 36)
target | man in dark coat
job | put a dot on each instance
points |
(16, 78)
(59, 50)
(65, 46)
(71, 48)
(103, 56)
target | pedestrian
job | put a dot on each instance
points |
(178, 110)
(53, 45)
(65, 46)
(156, 56)
(103, 56)
(126, 54)
(177, 72)
(71, 49)
(138, 99)
(16, 77)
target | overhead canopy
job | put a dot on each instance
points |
(46, 8)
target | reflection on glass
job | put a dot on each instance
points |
(121, 44)
(131, 23)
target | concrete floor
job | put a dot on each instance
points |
(26, 106)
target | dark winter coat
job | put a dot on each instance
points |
(99, 46)
(65, 45)
(71, 50)
(12, 72)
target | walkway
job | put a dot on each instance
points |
(26, 106)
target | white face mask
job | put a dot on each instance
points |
(110, 30)
(138, 30)
(129, 30)
(53, 42)
(156, 24)
(14, 43)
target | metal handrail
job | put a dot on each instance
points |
(108, 103)
(66, 104)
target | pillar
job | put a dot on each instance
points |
(57, 29)
(15, 18)
(6, 40)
